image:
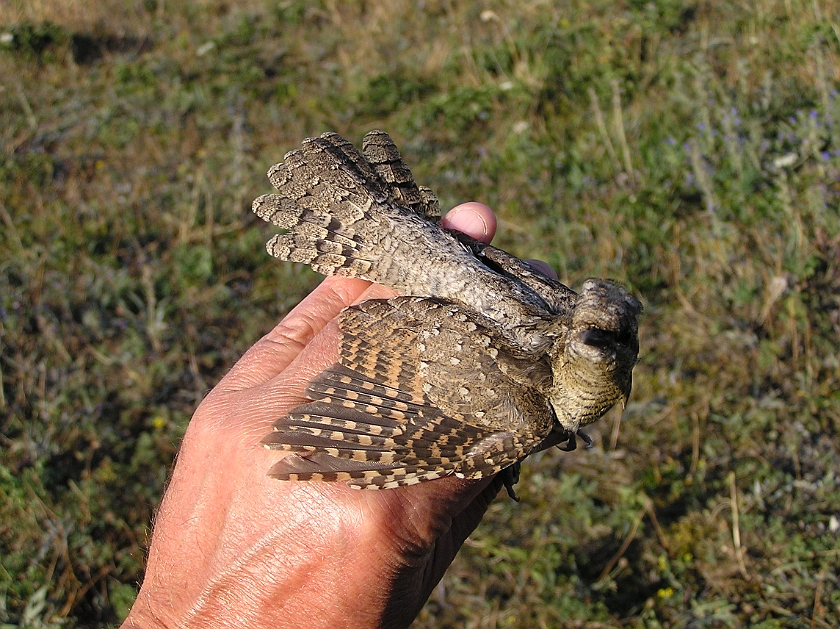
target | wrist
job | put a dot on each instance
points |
(315, 569)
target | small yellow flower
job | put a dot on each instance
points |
(665, 592)
(158, 422)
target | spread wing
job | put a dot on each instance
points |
(424, 389)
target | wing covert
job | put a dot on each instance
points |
(396, 410)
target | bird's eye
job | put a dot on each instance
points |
(598, 338)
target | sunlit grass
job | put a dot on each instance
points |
(690, 150)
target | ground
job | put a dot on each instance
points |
(689, 150)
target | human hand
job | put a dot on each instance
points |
(233, 547)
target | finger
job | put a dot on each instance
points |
(273, 353)
(435, 519)
(463, 524)
(473, 219)
(543, 267)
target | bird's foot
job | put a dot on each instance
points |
(510, 476)
(571, 444)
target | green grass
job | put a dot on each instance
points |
(691, 151)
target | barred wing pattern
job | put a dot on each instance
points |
(389, 414)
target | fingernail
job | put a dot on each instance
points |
(469, 222)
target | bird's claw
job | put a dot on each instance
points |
(510, 476)
(571, 443)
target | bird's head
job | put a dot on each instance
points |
(593, 362)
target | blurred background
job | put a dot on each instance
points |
(690, 150)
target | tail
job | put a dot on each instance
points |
(332, 200)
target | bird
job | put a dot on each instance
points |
(480, 361)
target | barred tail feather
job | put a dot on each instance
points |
(379, 149)
(332, 200)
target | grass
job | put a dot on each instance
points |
(690, 150)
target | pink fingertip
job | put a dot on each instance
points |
(543, 267)
(472, 218)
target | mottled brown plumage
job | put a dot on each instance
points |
(482, 362)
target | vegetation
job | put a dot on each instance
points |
(690, 150)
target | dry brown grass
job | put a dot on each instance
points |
(691, 151)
